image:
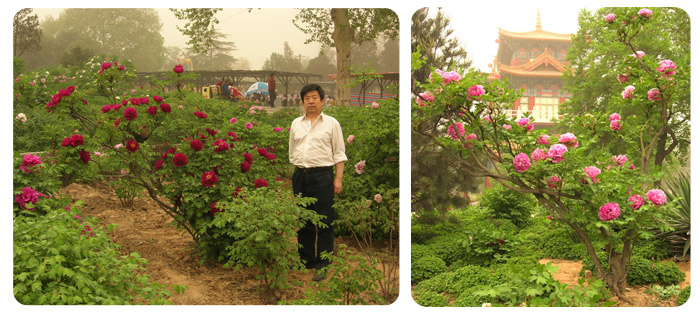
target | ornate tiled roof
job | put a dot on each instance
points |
(552, 67)
(537, 34)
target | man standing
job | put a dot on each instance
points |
(316, 144)
(271, 88)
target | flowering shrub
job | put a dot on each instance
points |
(587, 201)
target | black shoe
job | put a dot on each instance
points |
(319, 275)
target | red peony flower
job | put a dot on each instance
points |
(214, 208)
(260, 183)
(180, 159)
(200, 114)
(116, 122)
(237, 191)
(132, 146)
(106, 108)
(212, 132)
(196, 145)
(220, 145)
(159, 164)
(233, 136)
(165, 108)
(152, 110)
(85, 156)
(116, 107)
(63, 92)
(143, 100)
(157, 99)
(77, 140)
(66, 142)
(262, 151)
(178, 69)
(130, 113)
(171, 150)
(248, 157)
(70, 89)
(124, 102)
(135, 101)
(245, 166)
(209, 179)
(270, 156)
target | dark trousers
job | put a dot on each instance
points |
(318, 185)
(273, 96)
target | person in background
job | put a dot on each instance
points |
(272, 89)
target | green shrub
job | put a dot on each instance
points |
(683, 296)
(467, 277)
(419, 251)
(431, 224)
(468, 299)
(548, 239)
(432, 299)
(436, 284)
(643, 271)
(448, 248)
(653, 249)
(491, 241)
(504, 203)
(60, 258)
(426, 268)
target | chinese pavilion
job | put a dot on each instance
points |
(533, 61)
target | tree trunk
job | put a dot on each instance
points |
(342, 38)
(616, 277)
(660, 154)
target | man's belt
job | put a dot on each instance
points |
(315, 169)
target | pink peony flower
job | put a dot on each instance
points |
(615, 125)
(667, 67)
(468, 138)
(609, 211)
(569, 140)
(554, 182)
(645, 12)
(538, 155)
(614, 116)
(522, 122)
(277, 129)
(654, 94)
(636, 200)
(543, 139)
(620, 160)
(452, 130)
(521, 162)
(556, 152)
(378, 198)
(507, 127)
(622, 78)
(638, 54)
(248, 125)
(360, 167)
(375, 105)
(488, 119)
(656, 196)
(591, 172)
(425, 95)
(28, 195)
(233, 120)
(610, 17)
(119, 145)
(450, 76)
(28, 163)
(476, 91)
(351, 138)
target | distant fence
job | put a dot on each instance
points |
(357, 98)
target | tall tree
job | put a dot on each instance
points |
(340, 28)
(129, 33)
(200, 28)
(276, 61)
(601, 51)
(365, 55)
(242, 64)
(218, 56)
(293, 63)
(437, 45)
(388, 58)
(320, 65)
(26, 34)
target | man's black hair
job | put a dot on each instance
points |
(312, 87)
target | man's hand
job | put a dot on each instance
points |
(337, 185)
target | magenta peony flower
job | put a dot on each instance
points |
(196, 145)
(28, 163)
(378, 198)
(106, 108)
(165, 107)
(556, 152)
(220, 145)
(656, 196)
(248, 125)
(610, 17)
(178, 69)
(522, 122)
(569, 140)
(615, 125)
(667, 67)
(645, 12)
(277, 129)
(159, 164)
(476, 91)
(157, 99)
(636, 200)
(209, 179)
(543, 139)
(233, 136)
(248, 157)
(654, 94)
(351, 138)
(609, 211)
(262, 151)
(152, 110)
(521, 162)
(130, 113)
(245, 166)
(260, 183)
(614, 116)
(84, 156)
(554, 182)
(28, 195)
(360, 167)
(425, 95)
(200, 114)
(538, 155)
(132, 146)
(591, 172)
(180, 159)
(270, 156)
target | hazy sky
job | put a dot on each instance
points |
(256, 34)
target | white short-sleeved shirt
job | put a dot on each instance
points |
(316, 146)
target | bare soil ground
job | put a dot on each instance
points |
(144, 228)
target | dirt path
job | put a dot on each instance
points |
(144, 228)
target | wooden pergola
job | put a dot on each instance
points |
(208, 78)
